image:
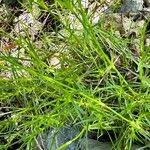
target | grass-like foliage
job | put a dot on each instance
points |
(99, 84)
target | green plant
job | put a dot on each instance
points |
(90, 88)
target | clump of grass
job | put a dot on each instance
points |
(91, 87)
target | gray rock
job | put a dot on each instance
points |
(131, 6)
(91, 144)
(96, 145)
(54, 138)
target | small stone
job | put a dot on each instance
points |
(55, 62)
